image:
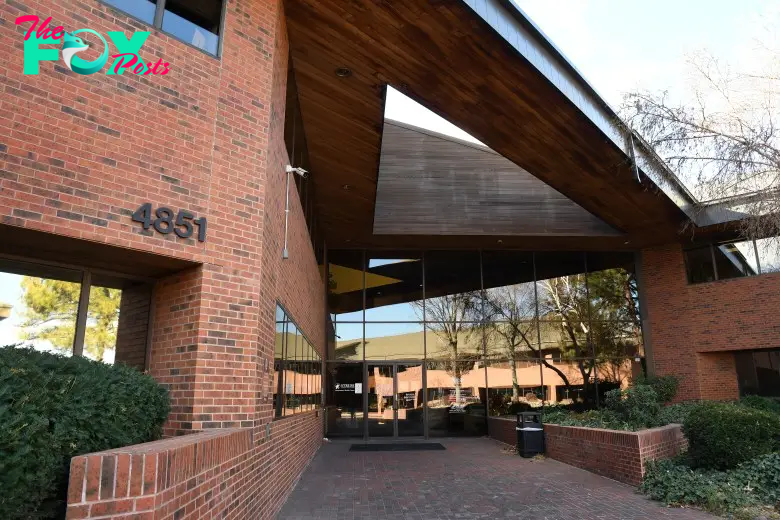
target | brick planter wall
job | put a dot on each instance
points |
(615, 454)
(212, 474)
(502, 429)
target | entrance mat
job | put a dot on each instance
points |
(399, 446)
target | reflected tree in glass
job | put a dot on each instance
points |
(452, 318)
(50, 314)
(565, 300)
(510, 318)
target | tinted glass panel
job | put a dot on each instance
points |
(394, 287)
(456, 405)
(194, 21)
(38, 306)
(344, 395)
(698, 264)
(769, 254)
(735, 260)
(394, 341)
(141, 9)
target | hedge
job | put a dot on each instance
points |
(53, 408)
(723, 435)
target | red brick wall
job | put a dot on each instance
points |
(615, 454)
(204, 475)
(694, 328)
(78, 154)
(133, 325)
(503, 430)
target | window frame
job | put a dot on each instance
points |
(83, 305)
(157, 24)
(711, 246)
(279, 401)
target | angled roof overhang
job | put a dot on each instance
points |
(483, 66)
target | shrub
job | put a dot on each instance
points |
(637, 405)
(674, 413)
(665, 387)
(723, 435)
(753, 483)
(761, 403)
(53, 408)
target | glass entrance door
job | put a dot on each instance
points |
(409, 398)
(381, 405)
(395, 400)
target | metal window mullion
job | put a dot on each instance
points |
(81, 315)
(714, 264)
(538, 329)
(758, 260)
(589, 335)
(158, 14)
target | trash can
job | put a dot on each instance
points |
(530, 434)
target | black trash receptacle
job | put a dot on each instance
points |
(530, 434)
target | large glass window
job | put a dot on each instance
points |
(197, 22)
(142, 9)
(758, 372)
(73, 311)
(541, 326)
(734, 259)
(297, 369)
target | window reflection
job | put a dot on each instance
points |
(394, 288)
(456, 400)
(735, 260)
(769, 254)
(394, 341)
(141, 9)
(38, 306)
(196, 23)
(297, 369)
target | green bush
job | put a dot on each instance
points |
(53, 408)
(665, 387)
(675, 413)
(767, 404)
(752, 484)
(723, 435)
(637, 405)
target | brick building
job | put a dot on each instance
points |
(259, 297)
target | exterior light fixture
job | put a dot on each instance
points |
(343, 72)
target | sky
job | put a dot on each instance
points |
(622, 45)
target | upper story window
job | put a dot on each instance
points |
(735, 259)
(196, 22)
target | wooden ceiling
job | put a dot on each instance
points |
(433, 184)
(448, 59)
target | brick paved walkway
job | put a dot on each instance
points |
(473, 479)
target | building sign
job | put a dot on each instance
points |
(126, 59)
(164, 222)
(345, 387)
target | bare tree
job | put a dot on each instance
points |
(454, 318)
(565, 299)
(726, 141)
(511, 317)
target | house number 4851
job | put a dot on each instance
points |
(165, 220)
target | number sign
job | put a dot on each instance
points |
(165, 223)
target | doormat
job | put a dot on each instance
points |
(408, 446)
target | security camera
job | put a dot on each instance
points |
(299, 171)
